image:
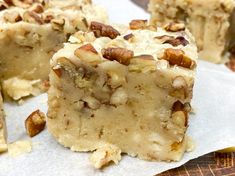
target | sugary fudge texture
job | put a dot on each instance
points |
(208, 20)
(3, 132)
(31, 32)
(123, 92)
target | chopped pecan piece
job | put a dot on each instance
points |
(175, 27)
(177, 106)
(47, 18)
(142, 63)
(180, 40)
(121, 55)
(177, 57)
(89, 47)
(32, 17)
(102, 30)
(35, 123)
(84, 20)
(164, 38)
(8, 2)
(231, 64)
(179, 111)
(57, 71)
(128, 36)
(20, 3)
(88, 54)
(3, 6)
(138, 24)
(58, 24)
(38, 8)
(12, 17)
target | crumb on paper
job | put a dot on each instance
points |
(193, 110)
(190, 146)
(17, 88)
(19, 147)
(104, 155)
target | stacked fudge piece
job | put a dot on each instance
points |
(128, 92)
(3, 132)
(208, 20)
(31, 32)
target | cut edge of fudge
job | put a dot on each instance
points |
(3, 130)
(37, 30)
(211, 25)
(128, 92)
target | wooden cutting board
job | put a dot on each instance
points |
(214, 164)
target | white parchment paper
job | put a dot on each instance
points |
(212, 127)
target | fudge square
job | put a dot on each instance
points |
(3, 132)
(123, 92)
(207, 20)
(31, 32)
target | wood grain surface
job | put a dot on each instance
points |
(214, 164)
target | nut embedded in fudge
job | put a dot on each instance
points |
(31, 32)
(209, 21)
(123, 95)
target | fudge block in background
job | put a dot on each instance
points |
(30, 33)
(207, 20)
(128, 93)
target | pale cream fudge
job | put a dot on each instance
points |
(208, 20)
(3, 131)
(123, 92)
(31, 32)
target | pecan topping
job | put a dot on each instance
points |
(121, 55)
(3, 6)
(180, 40)
(12, 17)
(138, 24)
(88, 54)
(177, 57)
(175, 27)
(142, 63)
(8, 2)
(84, 20)
(164, 38)
(128, 36)
(38, 8)
(57, 70)
(32, 17)
(35, 123)
(102, 30)
(19, 3)
(58, 24)
(88, 47)
(48, 18)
